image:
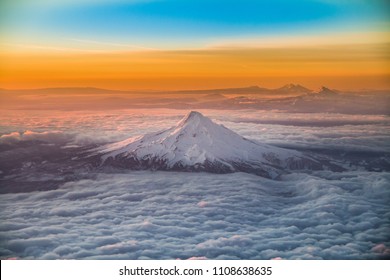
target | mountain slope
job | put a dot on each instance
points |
(294, 88)
(198, 144)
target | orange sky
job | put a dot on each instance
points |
(354, 66)
(194, 44)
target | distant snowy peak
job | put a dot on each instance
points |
(294, 88)
(194, 120)
(196, 143)
(324, 91)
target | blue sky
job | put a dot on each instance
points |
(175, 24)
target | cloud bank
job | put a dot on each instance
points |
(160, 215)
(332, 131)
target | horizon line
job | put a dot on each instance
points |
(203, 89)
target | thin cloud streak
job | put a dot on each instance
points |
(112, 44)
(52, 48)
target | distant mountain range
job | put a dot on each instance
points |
(289, 98)
(287, 89)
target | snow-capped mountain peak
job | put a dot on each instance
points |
(326, 91)
(197, 143)
(294, 88)
(194, 118)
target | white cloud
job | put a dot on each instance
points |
(51, 137)
(333, 131)
(156, 215)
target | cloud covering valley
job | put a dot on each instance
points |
(169, 215)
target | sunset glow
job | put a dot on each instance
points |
(336, 66)
(166, 45)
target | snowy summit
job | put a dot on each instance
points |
(196, 143)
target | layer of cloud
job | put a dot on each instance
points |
(51, 137)
(166, 215)
(83, 128)
(160, 215)
(329, 131)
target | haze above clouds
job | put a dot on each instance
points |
(341, 131)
